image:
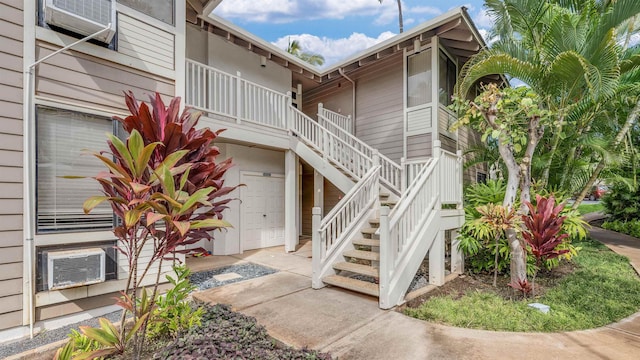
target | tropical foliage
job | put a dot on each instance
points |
(295, 49)
(165, 187)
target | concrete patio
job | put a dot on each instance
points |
(351, 326)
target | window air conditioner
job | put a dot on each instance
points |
(84, 17)
(72, 268)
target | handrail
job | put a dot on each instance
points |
(344, 155)
(343, 121)
(391, 172)
(347, 197)
(332, 233)
(412, 191)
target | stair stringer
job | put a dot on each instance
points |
(346, 244)
(406, 268)
(335, 176)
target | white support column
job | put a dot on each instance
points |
(436, 260)
(316, 248)
(457, 258)
(318, 190)
(435, 87)
(290, 201)
(460, 170)
(386, 260)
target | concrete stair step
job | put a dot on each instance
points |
(361, 254)
(374, 222)
(369, 231)
(366, 242)
(357, 268)
(384, 195)
(389, 203)
(353, 284)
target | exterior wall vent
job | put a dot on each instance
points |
(72, 268)
(84, 17)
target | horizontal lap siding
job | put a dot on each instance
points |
(145, 42)
(89, 81)
(379, 106)
(11, 203)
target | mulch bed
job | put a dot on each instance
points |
(483, 282)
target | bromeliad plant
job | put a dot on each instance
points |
(165, 187)
(499, 219)
(543, 230)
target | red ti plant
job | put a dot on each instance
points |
(542, 229)
(165, 186)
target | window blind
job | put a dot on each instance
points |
(419, 79)
(65, 140)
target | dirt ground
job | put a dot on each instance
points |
(468, 282)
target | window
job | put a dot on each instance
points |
(62, 140)
(158, 9)
(419, 79)
(446, 79)
(481, 178)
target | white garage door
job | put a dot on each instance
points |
(262, 214)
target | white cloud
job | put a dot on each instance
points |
(285, 11)
(333, 50)
(483, 19)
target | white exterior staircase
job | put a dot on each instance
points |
(391, 216)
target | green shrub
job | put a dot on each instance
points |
(173, 312)
(622, 203)
(631, 228)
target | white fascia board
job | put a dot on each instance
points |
(252, 38)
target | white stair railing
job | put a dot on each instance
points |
(211, 90)
(343, 121)
(411, 169)
(331, 233)
(390, 172)
(342, 154)
(451, 178)
(403, 232)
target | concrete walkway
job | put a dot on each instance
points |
(351, 326)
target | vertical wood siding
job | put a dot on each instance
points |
(145, 42)
(11, 238)
(379, 106)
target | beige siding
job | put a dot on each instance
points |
(467, 137)
(11, 238)
(89, 81)
(419, 146)
(379, 104)
(336, 96)
(379, 107)
(145, 42)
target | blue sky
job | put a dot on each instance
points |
(337, 28)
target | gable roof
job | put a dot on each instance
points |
(455, 29)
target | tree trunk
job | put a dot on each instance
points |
(518, 264)
(631, 119)
(400, 22)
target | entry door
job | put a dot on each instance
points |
(262, 216)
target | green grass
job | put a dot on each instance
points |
(589, 208)
(603, 289)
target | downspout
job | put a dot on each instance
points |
(29, 155)
(353, 101)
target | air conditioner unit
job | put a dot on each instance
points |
(84, 17)
(72, 268)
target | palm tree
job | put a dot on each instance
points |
(295, 49)
(564, 50)
(400, 23)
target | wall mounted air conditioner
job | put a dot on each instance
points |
(84, 17)
(72, 268)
